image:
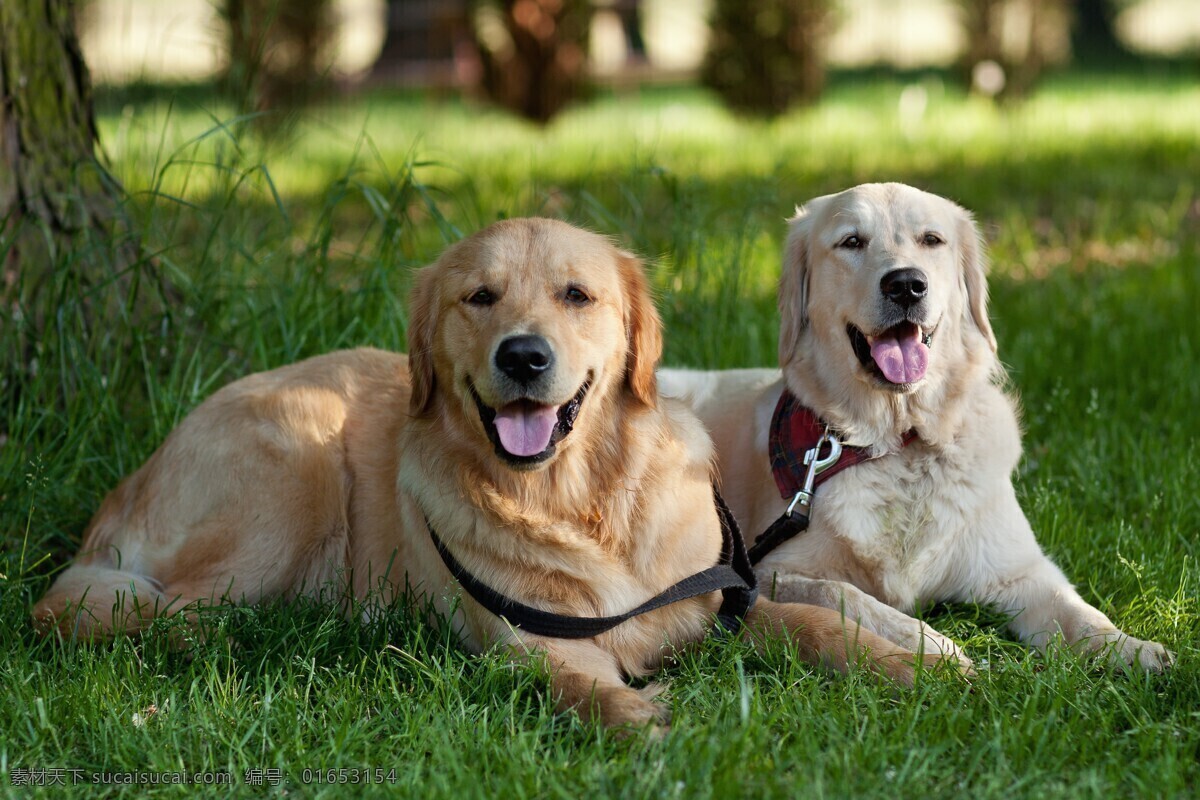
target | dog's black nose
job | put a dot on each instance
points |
(904, 287)
(524, 358)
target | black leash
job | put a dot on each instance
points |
(732, 575)
(792, 523)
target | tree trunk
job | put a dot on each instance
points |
(47, 128)
(1093, 36)
(278, 51)
(423, 41)
(764, 56)
(66, 248)
(1019, 38)
(538, 64)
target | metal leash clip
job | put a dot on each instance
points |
(802, 502)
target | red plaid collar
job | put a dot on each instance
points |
(795, 430)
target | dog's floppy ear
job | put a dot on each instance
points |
(422, 322)
(973, 263)
(793, 285)
(643, 327)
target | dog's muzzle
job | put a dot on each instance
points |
(526, 433)
(898, 357)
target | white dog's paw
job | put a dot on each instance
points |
(1149, 656)
(933, 642)
(1124, 652)
(915, 635)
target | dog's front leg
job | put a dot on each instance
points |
(1043, 605)
(871, 613)
(585, 678)
(830, 639)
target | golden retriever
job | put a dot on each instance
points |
(885, 330)
(524, 428)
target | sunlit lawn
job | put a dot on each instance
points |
(1090, 198)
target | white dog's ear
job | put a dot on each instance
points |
(422, 322)
(973, 264)
(793, 285)
(643, 328)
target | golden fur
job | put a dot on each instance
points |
(937, 520)
(322, 474)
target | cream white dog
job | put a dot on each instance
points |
(885, 338)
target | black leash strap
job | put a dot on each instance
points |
(739, 598)
(733, 576)
(782, 529)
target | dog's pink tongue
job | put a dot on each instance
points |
(901, 359)
(525, 429)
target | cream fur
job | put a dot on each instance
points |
(937, 520)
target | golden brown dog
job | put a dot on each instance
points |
(885, 330)
(532, 440)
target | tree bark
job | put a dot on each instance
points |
(67, 251)
(54, 192)
(51, 179)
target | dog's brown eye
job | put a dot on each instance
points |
(931, 239)
(853, 242)
(481, 297)
(576, 296)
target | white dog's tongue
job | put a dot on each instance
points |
(903, 358)
(524, 428)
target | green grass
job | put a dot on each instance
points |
(289, 248)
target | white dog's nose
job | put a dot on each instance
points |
(904, 287)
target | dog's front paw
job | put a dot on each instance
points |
(1123, 652)
(1149, 656)
(913, 634)
(937, 644)
(631, 710)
